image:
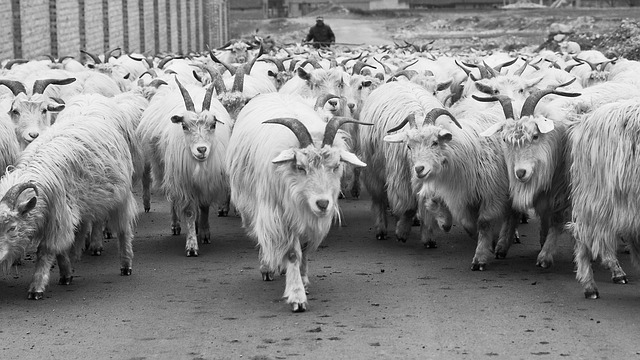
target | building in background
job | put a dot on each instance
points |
(64, 27)
(302, 7)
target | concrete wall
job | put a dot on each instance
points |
(32, 28)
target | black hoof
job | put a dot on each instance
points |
(516, 239)
(146, 210)
(543, 264)
(97, 252)
(107, 234)
(192, 253)
(298, 307)
(223, 213)
(524, 219)
(355, 194)
(620, 280)
(416, 222)
(478, 267)
(381, 236)
(176, 230)
(402, 240)
(501, 254)
(206, 240)
(591, 294)
(446, 228)
(267, 276)
(39, 295)
(430, 245)
(65, 280)
(125, 271)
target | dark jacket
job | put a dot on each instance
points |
(321, 33)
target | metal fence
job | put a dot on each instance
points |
(32, 28)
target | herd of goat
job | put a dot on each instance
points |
(281, 134)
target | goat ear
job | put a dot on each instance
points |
(303, 74)
(443, 85)
(533, 81)
(544, 125)
(493, 129)
(271, 73)
(351, 158)
(394, 138)
(445, 135)
(55, 107)
(177, 119)
(25, 206)
(284, 156)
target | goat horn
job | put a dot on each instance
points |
(334, 124)
(504, 100)
(499, 67)
(387, 69)
(582, 61)
(316, 65)
(157, 82)
(238, 81)
(151, 72)
(249, 65)
(206, 103)
(404, 67)
(164, 61)
(11, 196)
(277, 62)
(53, 60)
(520, 71)
(411, 119)
(491, 71)
(432, 115)
(40, 85)
(533, 99)
(216, 79)
(94, 57)
(299, 130)
(231, 69)
(357, 68)
(109, 53)
(16, 87)
(188, 102)
(10, 63)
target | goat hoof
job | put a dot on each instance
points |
(381, 236)
(65, 280)
(524, 219)
(192, 252)
(107, 234)
(501, 254)
(516, 239)
(355, 194)
(176, 230)
(299, 307)
(416, 222)
(96, 252)
(591, 294)
(146, 210)
(206, 240)
(478, 267)
(620, 280)
(544, 264)
(38, 295)
(223, 213)
(401, 239)
(267, 276)
(126, 271)
(430, 245)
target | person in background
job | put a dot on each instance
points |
(321, 34)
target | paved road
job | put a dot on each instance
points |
(369, 299)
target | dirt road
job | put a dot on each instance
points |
(369, 299)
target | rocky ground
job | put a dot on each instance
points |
(613, 31)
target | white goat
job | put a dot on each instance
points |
(466, 171)
(388, 176)
(286, 184)
(75, 174)
(187, 158)
(604, 195)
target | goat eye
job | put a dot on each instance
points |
(434, 144)
(535, 137)
(184, 127)
(336, 168)
(408, 147)
(300, 168)
(15, 112)
(11, 229)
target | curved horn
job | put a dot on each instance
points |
(301, 132)
(65, 58)
(249, 65)
(206, 103)
(504, 100)
(277, 62)
(582, 61)
(11, 196)
(40, 85)
(491, 71)
(164, 61)
(151, 72)
(16, 87)
(292, 64)
(316, 65)
(404, 67)
(109, 54)
(411, 119)
(216, 79)
(334, 125)
(188, 102)
(53, 60)
(157, 82)
(387, 69)
(520, 71)
(231, 69)
(461, 66)
(358, 67)
(409, 74)
(94, 57)
(435, 113)
(499, 67)
(322, 99)
(238, 81)
(533, 99)
(10, 63)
